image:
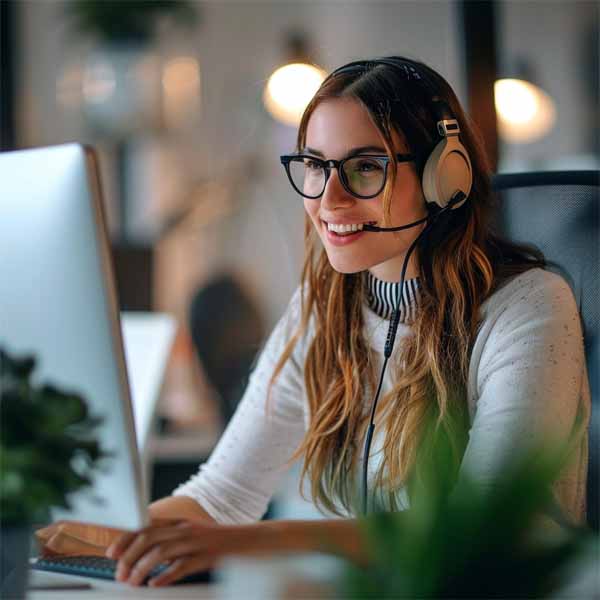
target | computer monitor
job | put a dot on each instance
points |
(58, 302)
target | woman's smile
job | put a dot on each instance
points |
(343, 239)
(341, 232)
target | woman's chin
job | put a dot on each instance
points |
(347, 265)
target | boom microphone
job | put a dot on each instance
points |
(367, 227)
(458, 198)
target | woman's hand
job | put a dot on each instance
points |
(68, 537)
(187, 547)
(74, 538)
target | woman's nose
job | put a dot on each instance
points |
(334, 194)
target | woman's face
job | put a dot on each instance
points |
(336, 129)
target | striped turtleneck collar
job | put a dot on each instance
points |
(383, 296)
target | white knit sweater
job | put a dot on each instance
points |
(527, 379)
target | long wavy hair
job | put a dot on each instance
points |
(461, 261)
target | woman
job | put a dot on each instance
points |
(483, 342)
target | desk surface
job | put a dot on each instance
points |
(102, 589)
(248, 578)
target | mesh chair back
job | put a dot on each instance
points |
(559, 213)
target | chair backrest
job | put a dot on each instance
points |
(227, 331)
(559, 213)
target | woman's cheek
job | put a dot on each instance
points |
(309, 208)
(313, 212)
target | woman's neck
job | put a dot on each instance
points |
(391, 270)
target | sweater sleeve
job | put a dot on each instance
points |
(528, 380)
(237, 482)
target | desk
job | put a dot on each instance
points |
(102, 589)
(297, 576)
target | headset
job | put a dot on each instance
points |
(448, 169)
(446, 182)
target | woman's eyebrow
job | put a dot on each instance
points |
(352, 152)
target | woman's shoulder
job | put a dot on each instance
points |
(534, 305)
(527, 319)
(292, 316)
(289, 325)
(277, 345)
(535, 292)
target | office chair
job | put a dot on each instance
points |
(559, 213)
(227, 331)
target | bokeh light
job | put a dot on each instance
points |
(290, 89)
(525, 112)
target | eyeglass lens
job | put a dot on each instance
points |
(364, 176)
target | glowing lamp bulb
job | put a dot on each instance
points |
(289, 90)
(525, 112)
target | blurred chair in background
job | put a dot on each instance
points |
(227, 330)
(559, 213)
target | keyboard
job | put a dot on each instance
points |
(103, 568)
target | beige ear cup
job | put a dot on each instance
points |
(447, 171)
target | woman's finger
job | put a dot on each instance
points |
(141, 544)
(62, 543)
(181, 567)
(120, 545)
(166, 552)
(92, 534)
(141, 569)
(45, 533)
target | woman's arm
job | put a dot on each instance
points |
(332, 536)
(237, 482)
(528, 379)
(196, 546)
(178, 507)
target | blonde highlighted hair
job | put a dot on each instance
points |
(461, 262)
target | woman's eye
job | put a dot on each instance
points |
(367, 166)
(312, 165)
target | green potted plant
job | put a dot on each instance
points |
(47, 451)
(119, 22)
(473, 543)
(122, 67)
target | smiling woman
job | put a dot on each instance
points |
(402, 267)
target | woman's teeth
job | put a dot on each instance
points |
(344, 228)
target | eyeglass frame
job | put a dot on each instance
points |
(286, 159)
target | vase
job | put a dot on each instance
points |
(15, 544)
(122, 90)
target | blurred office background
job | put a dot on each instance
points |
(201, 215)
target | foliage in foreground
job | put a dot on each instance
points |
(473, 542)
(46, 448)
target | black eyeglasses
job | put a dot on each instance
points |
(363, 176)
